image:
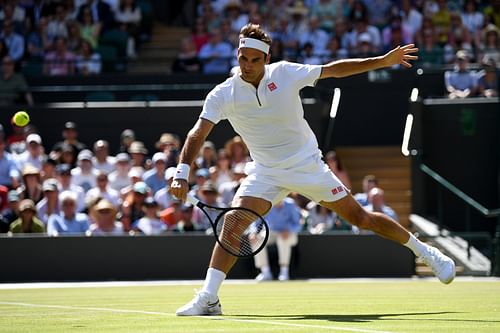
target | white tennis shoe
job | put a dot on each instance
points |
(263, 277)
(442, 265)
(203, 304)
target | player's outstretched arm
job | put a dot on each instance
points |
(401, 55)
(195, 138)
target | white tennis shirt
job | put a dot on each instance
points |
(270, 119)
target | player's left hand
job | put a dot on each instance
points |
(401, 55)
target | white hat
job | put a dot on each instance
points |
(136, 172)
(170, 173)
(364, 37)
(159, 157)
(33, 137)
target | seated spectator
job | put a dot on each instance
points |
(63, 175)
(459, 38)
(216, 54)
(364, 33)
(412, 18)
(199, 34)
(430, 53)
(135, 176)
(13, 86)
(50, 203)
(236, 16)
(308, 57)
(487, 83)
(316, 37)
(103, 190)
(461, 82)
(32, 186)
(185, 222)
(132, 207)
(138, 153)
(284, 225)
(126, 139)
(150, 224)
(168, 142)
(187, 60)
(39, 41)
(101, 160)
(9, 173)
(84, 175)
(57, 25)
(236, 151)
(48, 168)
(223, 168)
(369, 182)
(70, 137)
(33, 154)
(207, 156)
(490, 43)
(61, 61)
(327, 11)
(27, 221)
(155, 178)
(472, 18)
(90, 29)
(13, 41)
(163, 196)
(128, 17)
(88, 62)
(68, 221)
(100, 12)
(228, 189)
(119, 179)
(104, 215)
(172, 214)
(492, 13)
(377, 203)
(74, 40)
(3, 199)
(208, 194)
(335, 165)
(319, 218)
(11, 213)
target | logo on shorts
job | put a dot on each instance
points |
(337, 190)
(272, 86)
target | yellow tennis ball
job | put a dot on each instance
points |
(21, 118)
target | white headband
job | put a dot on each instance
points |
(254, 44)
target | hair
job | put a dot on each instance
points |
(254, 31)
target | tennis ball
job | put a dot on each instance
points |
(21, 118)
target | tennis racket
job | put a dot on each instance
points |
(239, 231)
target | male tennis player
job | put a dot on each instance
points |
(262, 104)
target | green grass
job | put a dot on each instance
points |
(336, 306)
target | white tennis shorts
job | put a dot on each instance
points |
(312, 178)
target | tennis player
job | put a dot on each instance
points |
(262, 103)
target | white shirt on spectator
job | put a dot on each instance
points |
(109, 194)
(84, 180)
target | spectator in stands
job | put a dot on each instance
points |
(488, 81)
(223, 168)
(461, 82)
(155, 178)
(84, 175)
(396, 27)
(4, 204)
(319, 219)
(490, 43)
(284, 225)
(168, 142)
(100, 12)
(48, 169)
(57, 25)
(315, 36)
(129, 16)
(132, 207)
(13, 41)
(442, 21)
(138, 153)
(207, 156)
(369, 182)
(199, 34)
(50, 203)
(185, 222)
(119, 179)
(236, 151)
(216, 54)
(364, 33)
(90, 30)
(11, 213)
(228, 34)
(135, 175)
(126, 139)
(163, 196)
(27, 221)
(473, 19)
(61, 61)
(307, 56)
(327, 12)
(70, 137)
(104, 215)
(13, 12)
(187, 60)
(228, 188)
(74, 40)
(171, 214)
(492, 13)
(63, 175)
(13, 86)
(429, 53)
(297, 24)
(335, 165)
(150, 224)
(88, 62)
(377, 203)
(65, 155)
(412, 18)
(201, 176)
(68, 221)
(9, 173)
(208, 194)
(103, 190)
(379, 12)
(33, 154)
(459, 38)
(32, 187)
(101, 160)
(39, 41)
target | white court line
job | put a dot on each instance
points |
(250, 321)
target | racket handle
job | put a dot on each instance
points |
(192, 200)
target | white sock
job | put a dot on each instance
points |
(266, 270)
(213, 281)
(415, 245)
(284, 270)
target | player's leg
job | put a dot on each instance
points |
(350, 210)
(206, 301)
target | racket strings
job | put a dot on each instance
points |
(240, 232)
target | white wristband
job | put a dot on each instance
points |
(182, 171)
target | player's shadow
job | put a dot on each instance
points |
(363, 318)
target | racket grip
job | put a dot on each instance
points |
(192, 200)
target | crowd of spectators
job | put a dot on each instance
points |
(65, 35)
(72, 188)
(318, 31)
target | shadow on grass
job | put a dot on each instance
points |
(363, 318)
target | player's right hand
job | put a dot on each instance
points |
(179, 189)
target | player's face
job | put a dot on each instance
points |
(252, 64)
